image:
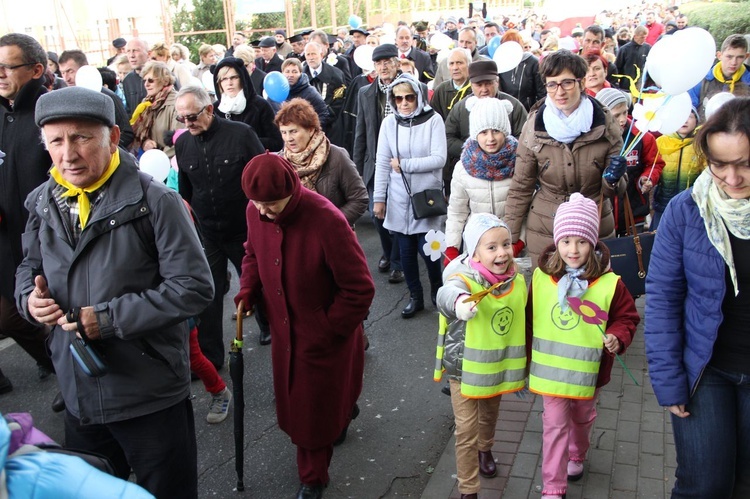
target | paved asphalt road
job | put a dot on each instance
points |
(391, 449)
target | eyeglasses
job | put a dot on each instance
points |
(410, 98)
(190, 117)
(567, 84)
(150, 81)
(383, 63)
(8, 68)
(229, 78)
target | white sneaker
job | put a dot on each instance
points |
(544, 496)
(575, 470)
(218, 410)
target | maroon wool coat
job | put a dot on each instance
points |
(317, 289)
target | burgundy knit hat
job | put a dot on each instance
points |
(577, 217)
(269, 177)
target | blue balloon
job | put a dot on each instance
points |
(355, 21)
(492, 46)
(276, 86)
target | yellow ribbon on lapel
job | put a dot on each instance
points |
(84, 205)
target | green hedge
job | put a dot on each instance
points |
(719, 19)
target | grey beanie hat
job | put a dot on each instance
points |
(492, 114)
(476, 226)
(75, 102)
(611, 97)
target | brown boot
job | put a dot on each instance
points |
(487, 466)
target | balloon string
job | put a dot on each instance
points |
(624, 151)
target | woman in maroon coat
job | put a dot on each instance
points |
(317, 289)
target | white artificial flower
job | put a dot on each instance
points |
(434, 245)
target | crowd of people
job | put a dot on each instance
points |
(115, 282)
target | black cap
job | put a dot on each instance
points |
(267, 42)
(306, 32)
(75, 103)
(52, 56)
(385, 51)
(332, 39)
(255, 43)
(359, 30)
(482, 70)
(295, 38)
(119, 43)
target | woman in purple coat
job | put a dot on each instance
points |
(317, 290)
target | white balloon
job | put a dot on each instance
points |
(508, 56)
(568, 43)
(441, 41)
(674, 113)
(155, 162)
(388, 38)
(442, 55)
(683, 61)
(208, 82)
(194, 81)
(363, 57)
(89, 77)
(715, 102)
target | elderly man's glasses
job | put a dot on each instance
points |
(567, 84)
(410, 98)
(189, 118)
(7, 68)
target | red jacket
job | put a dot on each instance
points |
(623, 318)
(317, 289)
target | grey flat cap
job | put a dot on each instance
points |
(72, 103)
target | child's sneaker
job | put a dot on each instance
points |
(218, 410)
(575, 470)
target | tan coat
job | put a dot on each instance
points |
(560, 170)
(165, 121)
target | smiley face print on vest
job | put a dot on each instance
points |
(502, 320)
(564, 320)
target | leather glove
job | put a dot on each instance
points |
(243, 295)
(518, 247)
(465, 311)
(616, 169)
(451, 253)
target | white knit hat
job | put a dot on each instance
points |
(612, 97)
(477, 225)
(577, 217)
(490, 114)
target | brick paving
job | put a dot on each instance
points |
(631, 456)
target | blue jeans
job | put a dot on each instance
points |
(410, 246)
(387, 240)
(713, 443)
(655, 219)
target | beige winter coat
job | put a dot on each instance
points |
(559, 170)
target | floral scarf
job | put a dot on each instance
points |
(145, 121)
(497, 166)
(308, 162)
(719, 213)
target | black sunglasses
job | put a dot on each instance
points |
(411, 98)
(190, 117)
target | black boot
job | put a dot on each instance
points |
(340, 439)
(433, 292)
(265, 337)
(58, 404)
(5, 384)
(415, 305)
(310, 491)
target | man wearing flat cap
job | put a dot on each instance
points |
(359, 38)
(485, 84)
(112, 263)
(317, 352)
(119, 45)
(372, 108)
(269, 60)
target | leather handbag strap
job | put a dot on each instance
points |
(631, 230)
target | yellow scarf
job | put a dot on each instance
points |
(719, 75)
(84, 206)
(138, 111)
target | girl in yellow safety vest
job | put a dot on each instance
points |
(568, 364)
(483, 349)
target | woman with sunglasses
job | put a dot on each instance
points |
(155, 119)
(412, 150)
(698, 313)
(570, 143)
(237, 101)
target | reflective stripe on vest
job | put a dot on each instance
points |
(494, 359)
(566, 351)
(442, 329)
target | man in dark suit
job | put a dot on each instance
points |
(298, 47)
(342, 64)
(326, 79)
(269, 60)
(359, 38)
(373, 107)
(421, 59)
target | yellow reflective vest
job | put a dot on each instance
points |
(494, 345)
(566, 351)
